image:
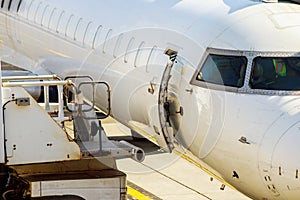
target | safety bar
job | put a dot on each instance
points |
(93, 84)
(43, 83)
(79, 77)
(40, 77)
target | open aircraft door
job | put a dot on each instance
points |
(164, 132)
(2, 136)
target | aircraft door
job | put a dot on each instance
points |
(164, 133)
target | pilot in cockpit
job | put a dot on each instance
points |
(280, 67)
(276, 73)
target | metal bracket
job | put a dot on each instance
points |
(25, 101)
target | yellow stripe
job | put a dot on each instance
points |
(203, 168)
(1, 41)
(153, 139)
(59, 53)
(136, 194)
(143, 133)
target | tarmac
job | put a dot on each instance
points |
(165, 176)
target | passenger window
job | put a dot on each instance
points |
(2, 3)
(10, 5)
(19, 5)
(224, 70)
(276, 73)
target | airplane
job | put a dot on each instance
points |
(219, 78)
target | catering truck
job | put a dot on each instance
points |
(57, 149)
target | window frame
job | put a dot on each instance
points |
(246, 89)
(217, 86)
(278, 80)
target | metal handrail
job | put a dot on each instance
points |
(19, 78)
(36, 83)
(93, 83)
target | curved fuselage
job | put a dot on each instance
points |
(249, 136)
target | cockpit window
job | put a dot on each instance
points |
(223, 70)
(276, 73)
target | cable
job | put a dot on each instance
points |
(4, 131)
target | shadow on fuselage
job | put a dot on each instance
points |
(238, 5)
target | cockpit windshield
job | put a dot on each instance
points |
(276, 73)
(223, 70)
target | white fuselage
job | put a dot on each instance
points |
(249, 136)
